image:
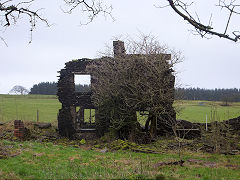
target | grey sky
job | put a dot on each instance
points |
(210, 63)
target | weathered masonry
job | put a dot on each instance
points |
(71, 115)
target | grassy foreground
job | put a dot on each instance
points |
(32, 160)
(25, 108)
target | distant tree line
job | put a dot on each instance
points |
(226, 95)
(47, 88)
(50, 88)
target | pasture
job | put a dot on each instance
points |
(25, 108)
(196, 111)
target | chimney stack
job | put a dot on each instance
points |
(118, 48)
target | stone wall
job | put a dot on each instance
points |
(68, 121)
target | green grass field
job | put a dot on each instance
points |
(32, 160)
(25, 108)
(52, 160)
(196, 111)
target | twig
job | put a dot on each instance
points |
(200, 28)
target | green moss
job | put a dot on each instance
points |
(83, 141)
(126, 145)
(97, 146)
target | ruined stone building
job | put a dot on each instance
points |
(71, 114)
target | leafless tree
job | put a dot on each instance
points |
(19, 90)
(182, 8)
(141, 80)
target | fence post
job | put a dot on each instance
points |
(90, 116)
(37, 115)
(206, 123)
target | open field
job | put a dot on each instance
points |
(32, 160)
(26, 107)
(196, 111)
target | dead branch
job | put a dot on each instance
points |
(3, 40)
(201, 29)
(181, 162)
(10, 13)
(92, 8)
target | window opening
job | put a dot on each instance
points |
(82, 82)
(85, 115)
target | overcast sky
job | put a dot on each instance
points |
(209, 63)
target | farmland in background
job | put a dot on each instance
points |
(196, 111)
(25, 107)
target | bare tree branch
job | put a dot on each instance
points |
(92, 8)
(12, 10)
(10, 13)
(181, 9)
(2, 39)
